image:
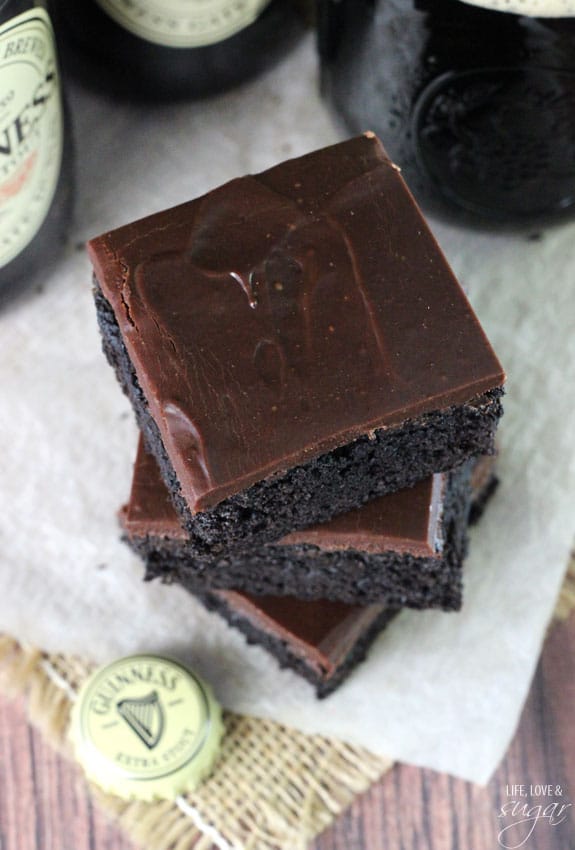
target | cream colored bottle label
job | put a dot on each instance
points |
(183, 23)
(31, 131)
(535, 8)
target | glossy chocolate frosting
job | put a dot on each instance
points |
(288, 313)
(408, 521)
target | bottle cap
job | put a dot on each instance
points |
(144, 727)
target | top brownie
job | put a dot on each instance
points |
(283, 316)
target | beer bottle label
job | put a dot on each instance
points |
(533, 8)
(31, 129)
(183, 23)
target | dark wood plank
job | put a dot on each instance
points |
(44, 804)
(413, 809)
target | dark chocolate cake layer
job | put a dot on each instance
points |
(294, 344)
(403, 549)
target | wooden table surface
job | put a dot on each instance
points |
(44, 804)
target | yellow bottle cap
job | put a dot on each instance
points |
(144, 727)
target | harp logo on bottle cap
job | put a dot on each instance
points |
(146, 727)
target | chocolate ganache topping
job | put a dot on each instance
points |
(288, 313)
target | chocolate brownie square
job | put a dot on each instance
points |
(321, 640)
(294, 344)
(402, 549)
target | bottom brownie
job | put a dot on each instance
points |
(320, 640)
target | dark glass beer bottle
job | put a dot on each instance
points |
(165, 49)
(477, 106)
(35, 181)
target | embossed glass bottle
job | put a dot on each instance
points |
(477, 106)
(166, 49)
(35, 167)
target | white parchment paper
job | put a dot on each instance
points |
(440, 690)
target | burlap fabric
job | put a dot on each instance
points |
(273, 788)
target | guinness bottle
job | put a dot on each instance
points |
(166, 49)
(35, 187)
(476, 105)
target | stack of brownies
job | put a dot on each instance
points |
(313, 391)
